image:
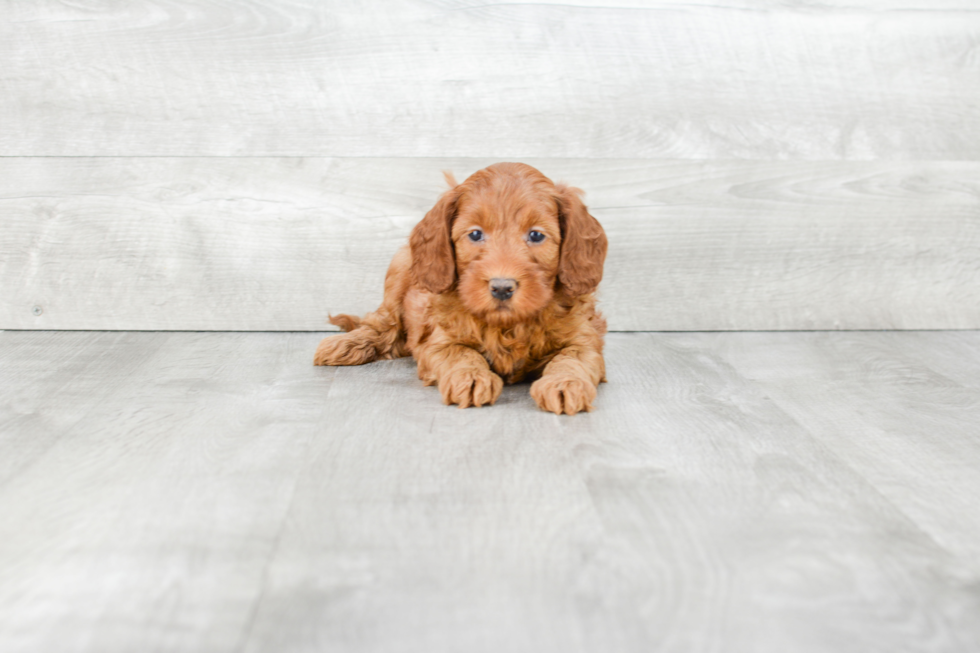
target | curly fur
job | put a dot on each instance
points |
(438, 306)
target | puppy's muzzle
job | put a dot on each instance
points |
(502, 289)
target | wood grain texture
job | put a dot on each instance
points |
(76, 376)
(876, 79)
(276, 244)
(150, 519)
(763, 492)
(899, 391)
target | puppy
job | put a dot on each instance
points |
(495, 286)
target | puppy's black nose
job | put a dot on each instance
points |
(502, 288)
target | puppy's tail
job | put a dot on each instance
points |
(345, 322)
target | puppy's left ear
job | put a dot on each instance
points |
(583, 243)
(433, 256)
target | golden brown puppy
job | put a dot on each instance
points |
(495, 286)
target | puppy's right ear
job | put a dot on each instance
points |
(583, 244)
(433, 256)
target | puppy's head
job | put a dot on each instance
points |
(508, 238)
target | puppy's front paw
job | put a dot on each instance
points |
(470, 386)
(561, 393)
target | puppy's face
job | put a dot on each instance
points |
(508, 238)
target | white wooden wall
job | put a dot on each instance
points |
(233, 165)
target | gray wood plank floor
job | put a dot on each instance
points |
(732, 492)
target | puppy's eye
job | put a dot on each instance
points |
(535, 236)
(476, 235)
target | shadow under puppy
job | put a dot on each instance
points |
(495, 286)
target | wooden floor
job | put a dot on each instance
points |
(732, 492)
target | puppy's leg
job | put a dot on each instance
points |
(568, 383)
(463, 375)
(378, 335)
(357, 347)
